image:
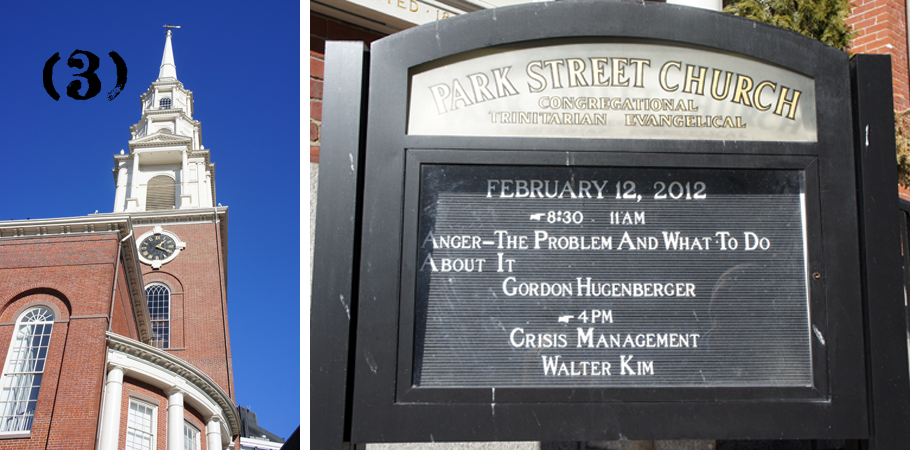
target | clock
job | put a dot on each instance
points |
(159, 247)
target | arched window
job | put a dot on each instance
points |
(24, 369)
(165, 103)
(160, 193)
(159, 302)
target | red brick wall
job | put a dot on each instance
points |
(79, 267)
(74, 273)
(881, 29)
(324, 28)
(76, 413)
(199, 309)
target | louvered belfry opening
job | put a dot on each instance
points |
(160, 193)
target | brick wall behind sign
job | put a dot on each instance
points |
(882, 29)
(323, 29)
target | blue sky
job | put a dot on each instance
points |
(242, 64)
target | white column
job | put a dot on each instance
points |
(184, 182)
(213, 434)
(200, 168)
(134, 179)
(120, 196)
(174, 419)
(110, 418)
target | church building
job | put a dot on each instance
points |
(114, 326)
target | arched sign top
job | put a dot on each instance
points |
(616, 20)
(608, 70)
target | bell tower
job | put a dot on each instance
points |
(166, 185)
(166, 167)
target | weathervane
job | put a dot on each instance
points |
(169, 26)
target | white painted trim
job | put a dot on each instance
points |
(158, 368)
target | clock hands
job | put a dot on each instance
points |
(159, 247)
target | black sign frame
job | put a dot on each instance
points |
(407, 392)
(383, 408)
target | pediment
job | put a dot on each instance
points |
(160, 139)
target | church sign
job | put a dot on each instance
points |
(623, 90)
(583, 221)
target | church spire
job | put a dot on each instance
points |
(166, 167)
(168, 68)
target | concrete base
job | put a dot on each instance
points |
(462, 446)
(598, 445)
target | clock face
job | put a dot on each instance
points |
(158, 247)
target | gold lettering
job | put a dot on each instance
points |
(698, 80)
(459, 95)
(640, 71)
(554, 72)
(504, 87)
(541, 81)
(479, 82)
(597, 72)
(743, 86)
(757, 95)
(663, 76)
(619, 72)
(576, 72)
(714, 92)
(782, 100)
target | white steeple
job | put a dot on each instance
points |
(167, 167)
(168, 68)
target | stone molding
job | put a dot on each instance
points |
(191, 381)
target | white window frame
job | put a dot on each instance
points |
(152, 432)
(191, 437)
(14, 378)
(154, 342)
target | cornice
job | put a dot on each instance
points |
(180, 368)
(130, 253)
(172, 82)
(143, 218)
(120, 224)
(163, 138)
(164, 112)
(172, 111)
(95, 223)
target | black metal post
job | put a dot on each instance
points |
(337, 246)
(882, 277)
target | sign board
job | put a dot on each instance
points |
(586, 221)
(583, 276)
(623, 90)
